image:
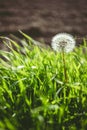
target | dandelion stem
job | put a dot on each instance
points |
(64, 65)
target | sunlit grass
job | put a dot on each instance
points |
(33, 94)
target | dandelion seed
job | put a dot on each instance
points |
(63, 42)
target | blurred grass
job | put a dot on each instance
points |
(33, 94)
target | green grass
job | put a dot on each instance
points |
(33, 93)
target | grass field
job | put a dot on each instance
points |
(33, 91)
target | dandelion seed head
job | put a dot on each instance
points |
(63, 42)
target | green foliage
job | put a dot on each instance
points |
(33, 94)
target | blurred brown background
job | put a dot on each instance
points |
(42, 19)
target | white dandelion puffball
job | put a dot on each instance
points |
(63, 42)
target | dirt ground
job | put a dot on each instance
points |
(42, 19)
